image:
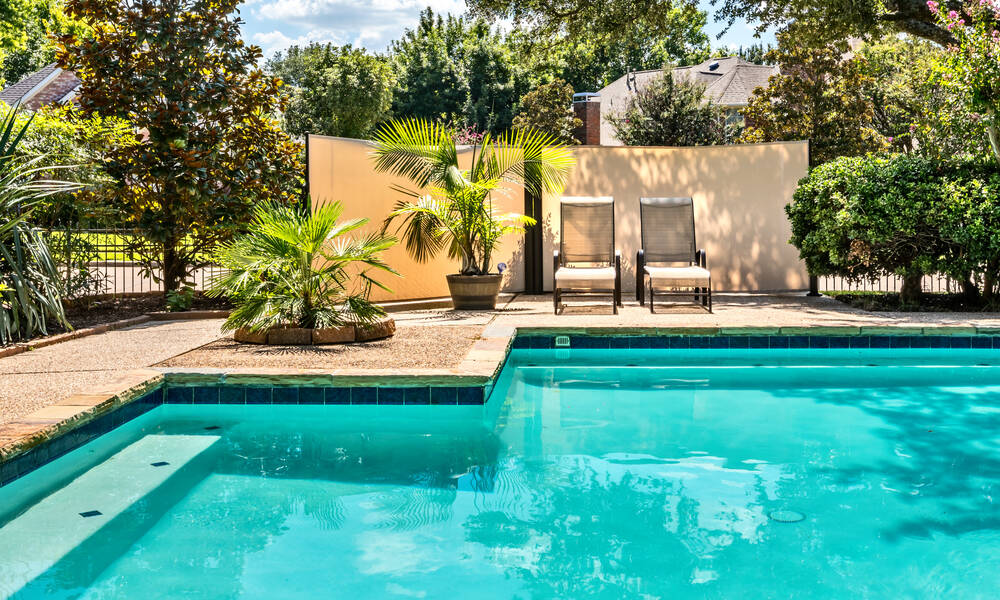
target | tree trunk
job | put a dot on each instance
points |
(970, 291)
(174, 268)
(912, 289)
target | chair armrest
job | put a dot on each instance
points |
(556, 259)
(701, 259)
(640, 260)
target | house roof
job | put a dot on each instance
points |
(22, 91)
(730, 82)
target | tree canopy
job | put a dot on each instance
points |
(831, 19)
(668, 112)
(209, 148)
(549, 109)
(341, 91)
(817, 97)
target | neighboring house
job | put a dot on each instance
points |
(48, 85)
(729, 82)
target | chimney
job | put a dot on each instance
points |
(587, 107)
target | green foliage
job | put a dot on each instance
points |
(340, 91)
(549, 109)
(910, 107)
(457, 212)
(590, 62)
(670, 113)
(829, 21)
(181, 74)
(63, 136)
(30, 287)
(431, 82)
(602, 22)
(819, 97)
(972, 65)
(26, 27)
(456, 72)
(300, 270)
(181, 299)
(906, 215)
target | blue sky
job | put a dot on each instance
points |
(277, 24)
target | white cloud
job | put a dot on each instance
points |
(369, 23)
(273, 41)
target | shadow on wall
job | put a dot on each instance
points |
(739, 193)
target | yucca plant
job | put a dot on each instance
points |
(300, 270)
(30, 282)
(455, 211)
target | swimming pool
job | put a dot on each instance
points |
(617, 473)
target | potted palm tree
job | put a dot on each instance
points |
(454, 211)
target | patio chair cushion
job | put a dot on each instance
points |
(594, 278)
(679, 276)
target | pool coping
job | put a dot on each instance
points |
(479, 368)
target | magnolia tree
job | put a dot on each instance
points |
(972, 63)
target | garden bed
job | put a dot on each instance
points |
(889, 302)
(412, 347)
(88, 313)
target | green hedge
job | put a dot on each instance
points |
(866, 217)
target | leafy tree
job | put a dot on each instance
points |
(670, 113)
(869, 216)
(910, 108)
(300, 270)
(578, 19)
(495, 83)
(25, 30)
(831, 21)
(456, 72)
(339, 91)
(209, 149)
(817, 97)
(754, 53)
(431, 81)
(972, 66)
(549, 109)
(588, 62)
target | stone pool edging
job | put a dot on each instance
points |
(31, 441)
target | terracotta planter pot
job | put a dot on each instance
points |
(474, 292)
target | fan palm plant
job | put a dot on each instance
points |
(300, 270)
(30, 282)
(456, 210)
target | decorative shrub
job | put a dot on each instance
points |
(866, 217)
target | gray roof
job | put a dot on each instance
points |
(731, 82)
(17, 91)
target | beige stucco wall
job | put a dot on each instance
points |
(341, 169)
(739, 194)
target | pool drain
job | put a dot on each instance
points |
(786, 516)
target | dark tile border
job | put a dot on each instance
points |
(28, 461)
(743, 342)
(325, 395)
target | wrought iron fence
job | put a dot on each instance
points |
(930, 283)
(106, 262)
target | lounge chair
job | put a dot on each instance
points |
(587, 263)
(667, 261)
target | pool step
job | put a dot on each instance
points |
(37, 539)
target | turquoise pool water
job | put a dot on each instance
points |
(590, 474)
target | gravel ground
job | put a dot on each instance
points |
(41, 377)
(438, 347)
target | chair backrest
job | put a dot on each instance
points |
(587, 230)
(667, 229)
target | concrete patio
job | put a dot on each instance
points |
(435, 342)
